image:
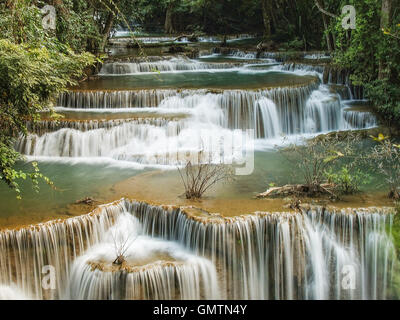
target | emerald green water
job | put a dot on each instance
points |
(216, 80)
(77, 181)
(72, 181)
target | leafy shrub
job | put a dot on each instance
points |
(314, 158)
(385, 157)
(294, 45)
(386, 99)
(348, 180)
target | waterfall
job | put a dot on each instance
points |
(12, 293)
(25, 252)
(295, 67)
(200, 116)
(278, 56)
(235, 53)
(155, 269)
(322, 113)
(45, 126)
(152, 98)
(155, 282)
(340, 77)
(343, 91)
(359, 119)
(286, 256)
(317, 56)
(174, 64)
(267, 119)
(243, 55)
(176, 255)
(113, 99)
(104, 142)
(238, 105)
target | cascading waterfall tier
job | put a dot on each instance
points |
(262, 256)
(26, 252)
(293, 67)
(278, 56)
(243, 109)
(153, 268)
(152, 98)
(284, 255)
(203, 114)
(165, 65)
(45, 126)
(158, 281)
(357, 119)
(111, 140)
(335, 76)
(317, 56)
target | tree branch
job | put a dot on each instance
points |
(319, 6)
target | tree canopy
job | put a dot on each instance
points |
(34, 66)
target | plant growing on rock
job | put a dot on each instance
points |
(121, 246)
(348, 180)
(313, 158)
(197, 179)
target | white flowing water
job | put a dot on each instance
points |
(12, 293)
(168, 65)
(315, 254)
(173, 255)
(205, 114)
(317, 56)
(45, 126)
(121, 36)
(25, 253)
(299, 68)
(158, 269)
(356, 119)
(288, 256)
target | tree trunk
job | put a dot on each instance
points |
(327, 35)
(107, 29)
(386, 17)
(169, 27)
(266, 6)
(330, 41)
(61, 9)
(321, 8)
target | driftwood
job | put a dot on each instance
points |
(119, 261)
(191, 37)
(298, 189)
(269, 45)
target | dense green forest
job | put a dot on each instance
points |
(37, 64)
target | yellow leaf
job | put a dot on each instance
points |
(380, 137)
